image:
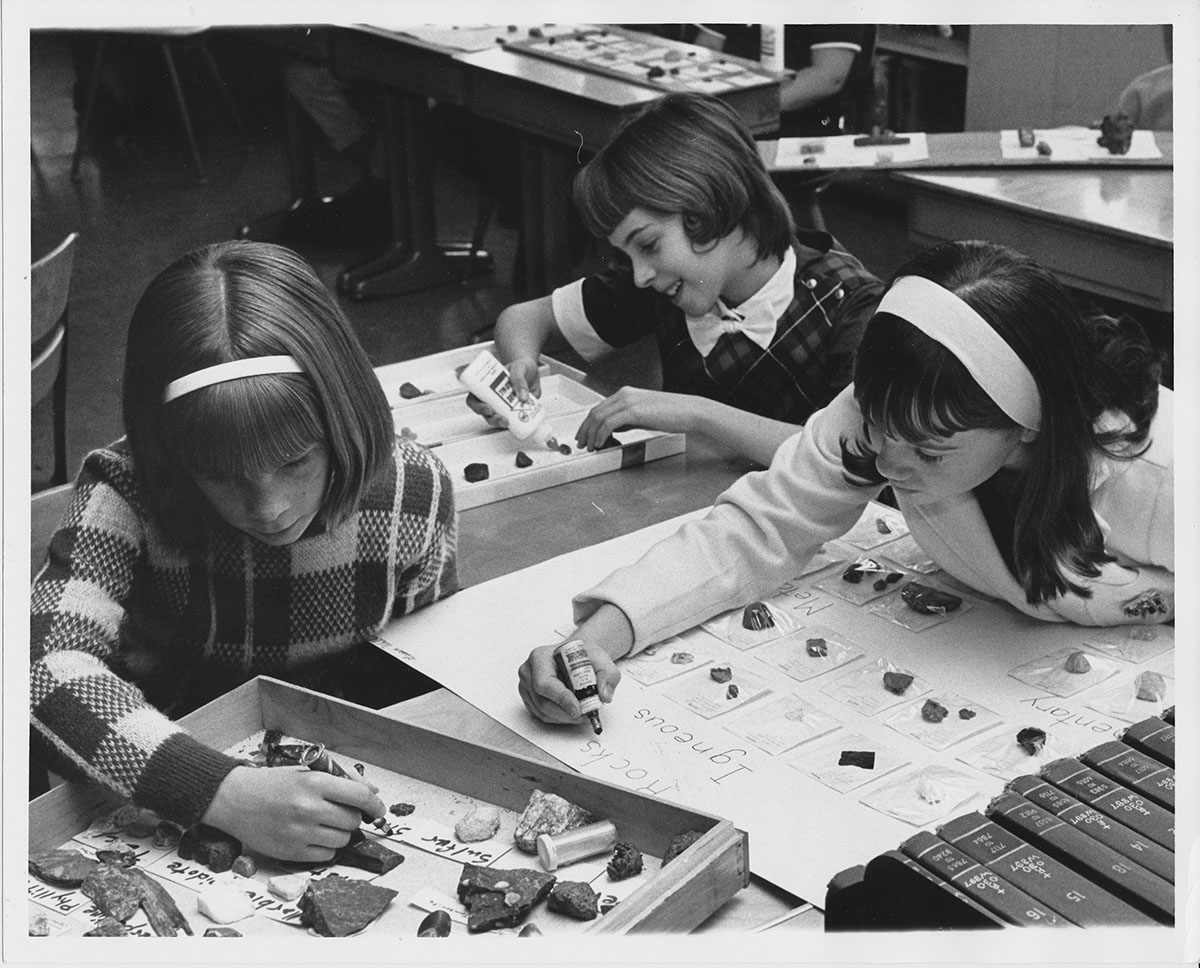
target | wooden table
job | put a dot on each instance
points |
(1108, 231)
(1104, 225)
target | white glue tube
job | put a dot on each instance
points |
(487, 378)
(576, 672)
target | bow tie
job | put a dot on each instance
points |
(757, 318)
(754, 319)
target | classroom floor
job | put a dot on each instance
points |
(138, 206)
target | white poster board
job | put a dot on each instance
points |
(768, 758)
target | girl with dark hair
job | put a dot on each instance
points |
(1029, 448)
(259, 517)
(755, 322)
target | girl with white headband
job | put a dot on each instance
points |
(1029, 448)
(259, 517)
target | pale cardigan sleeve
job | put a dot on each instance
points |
(759, 533)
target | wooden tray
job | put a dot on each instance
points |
(440, 419)
(453, 775)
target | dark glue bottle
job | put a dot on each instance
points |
(576, 672)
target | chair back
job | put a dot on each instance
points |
(49, 292)
(46, 509)
(49, 297)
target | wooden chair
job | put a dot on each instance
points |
(49, 297)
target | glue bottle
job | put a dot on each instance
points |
(487, 378)
(576, 672)
(771, 47)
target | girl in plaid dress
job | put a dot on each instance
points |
(259, 517)
(755, 323)
(1029, 446)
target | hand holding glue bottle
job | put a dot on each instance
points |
(487, 378)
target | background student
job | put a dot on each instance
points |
(1029, 448)
(259, 517)
(754, 322)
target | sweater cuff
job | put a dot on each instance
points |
(181, 779)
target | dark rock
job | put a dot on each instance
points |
(435, 925)
(928, 600)
(62, 868)
(475, 472)
(897, 682)
(211, 847)
(576, 899)
(1031, 740)
(626, 861)
(336, 906)
(500, 898)
(370, 854)
(933, 711)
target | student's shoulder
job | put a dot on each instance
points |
(820, 253)
(414, 480)
(112, 467)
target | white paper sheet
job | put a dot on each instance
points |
(803, 831)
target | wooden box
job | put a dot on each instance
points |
(675, 898)
(440, 419)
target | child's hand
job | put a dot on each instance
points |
(291, 813)
(635, 407)
(526, 377)
(545, 695)
(526, 380)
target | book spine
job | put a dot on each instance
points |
(1109, 797)
(1155, 737)
(1135, 770)
(987, 887)
(1134, 889)
(917, 898)
(1124, 840)
(1030, 868)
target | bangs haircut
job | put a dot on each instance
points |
(691, 156)
(234, 301)
(244, 427)
(913, 388)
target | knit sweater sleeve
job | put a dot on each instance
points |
(427, 530)
(88, 721)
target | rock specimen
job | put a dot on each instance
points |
(523, 459)
(410, 391)
(680, 843)
(288, 887)
(475, 472)
(817, 648)
(115, 890)
(107, 927)
(500, 898)
(1031, 740)
(245, 865)
(547, 813)
(224, 904)
(897, 682)
(480, 823)
(965, 713)
(1077, 662)
(1116, 133)
(369, 854)
(756, 617)
(864, 759)
(222, 932)
(720, 673)
(933, 711)
(626, 861)
(61, 867)
(928, 600)
(576, 899)
(1151, 687)
(732, 691)
(336, 906)
(401, 809)
(209, 846)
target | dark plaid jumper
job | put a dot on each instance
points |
(127, 629)
(807, 363)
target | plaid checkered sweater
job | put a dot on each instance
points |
(126, 628)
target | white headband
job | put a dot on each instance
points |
(940, 314)
(233, 370)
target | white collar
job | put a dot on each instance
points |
(757, 317)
